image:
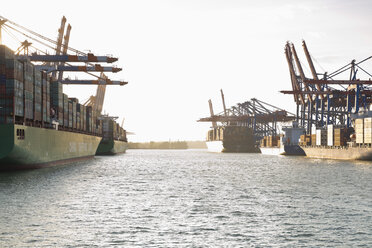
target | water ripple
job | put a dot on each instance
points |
(189, 198)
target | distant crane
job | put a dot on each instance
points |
(258, 115)
(214, 124)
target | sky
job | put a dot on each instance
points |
(177, 54)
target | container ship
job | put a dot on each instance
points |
(341, 142)
(335, 112)
(41, 126)
(114, 138)
(285, 144)
(231, 139)
(243, 125)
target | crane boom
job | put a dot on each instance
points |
(61, 31)
(100, 96)
(214, 124)
(223, 102)
(95, 68)
(65, 47)
(301, 71)
(71, 58)
(56, 63)
(93, 82)
(311, 64)
(2, 21)
(295, 85)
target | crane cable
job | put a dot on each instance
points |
(30, 37)
(40, 36)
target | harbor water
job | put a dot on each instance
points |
(189, 198)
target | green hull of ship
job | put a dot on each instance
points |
(40, 147)
(112, 147)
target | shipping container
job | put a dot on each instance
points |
(69, 114)
(13, 69)
(83, 117)
(340, 136)
(28, 80)
(74, 102)
(359, 130)
(313, 129)
(78, 116)
(56, 100)
(313, 139)
(37, 95)
(89, 119)
(45, 97)
(367, 134)
(65, 110)
(321, 137)
(330, 129)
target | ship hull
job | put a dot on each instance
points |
(233, 147)
(288, 150)
(40, 147)
(293, 150)
(215, 146)
(344, 153)
(272, 150)
(112, 147)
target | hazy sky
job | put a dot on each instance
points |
(178, 54)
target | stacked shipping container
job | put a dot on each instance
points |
(305, 140)
(27, 96)
(340, 136)
(359, 130)
(28, 79)
(108, 129)
(37, 95)
(89, 119)
(56, 95)
(367, 130)
(321, 137)
(65, 110)
(74, 102)
(330, 135)
(112, 131)
(11, 87)
(45, 98)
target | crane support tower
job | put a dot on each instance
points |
(327, 98)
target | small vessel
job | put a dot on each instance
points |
(285, 144)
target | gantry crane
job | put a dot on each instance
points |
(258, 115)
(56, 63)
(327, 100)
(96, 102)
(61, 61)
